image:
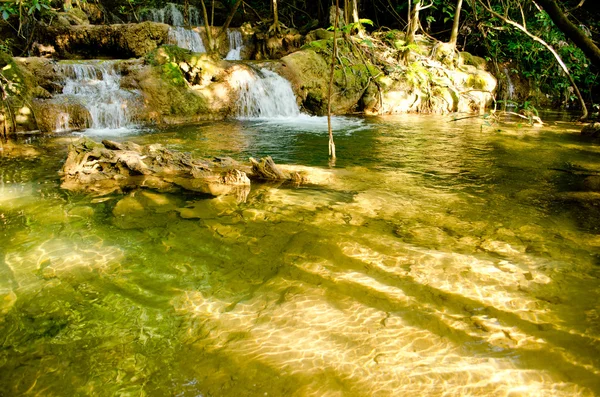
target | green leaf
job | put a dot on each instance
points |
(368, 42)
(365, 21)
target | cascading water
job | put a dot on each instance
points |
(186, 38)
(264, 94)
(62, 122)
(510, 88)
(97, 86)
(236, 44)
(171, 15)
(178, 35)
(266, 97)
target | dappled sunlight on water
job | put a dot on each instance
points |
(436, 258)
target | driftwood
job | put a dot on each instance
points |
(265, 169)
(107, 167)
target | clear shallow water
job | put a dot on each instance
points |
(439, 258)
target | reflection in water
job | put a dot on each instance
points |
(435, 261)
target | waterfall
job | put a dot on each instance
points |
(62, 122)
(186, 38)
(97, 86)
(510, 88)
(264, 94)
(236, 44)
(171, 15)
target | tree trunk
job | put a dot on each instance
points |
(571, 30)
(186, 12)
(229, 18)
(413, 21)
(333, 57)
(275, 13)
(455, 24)
(356, 19)
(208, 28)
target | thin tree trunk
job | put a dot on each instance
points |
(582, 41)
(413, 21)
(186, 13)
(275, 13)
(522, 28)
(355, 18)
(455, 24)
(333, 58)
(208, 28)
(275, 28)
(229, 18)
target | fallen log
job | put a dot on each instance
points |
(265, 169)
(109, 166)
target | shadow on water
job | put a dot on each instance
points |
(435, 262)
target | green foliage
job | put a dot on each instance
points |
(505, 45)
(33, 8)
(167, 53)
(352, 27)
(8, 9)
(172, 73)
(417, 75)
(12, 80)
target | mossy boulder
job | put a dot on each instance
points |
(309, 71)
(466, 58)
(181, 86)
(42, 72)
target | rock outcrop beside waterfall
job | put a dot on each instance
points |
(377, 76)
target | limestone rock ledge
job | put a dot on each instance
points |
(98, 41)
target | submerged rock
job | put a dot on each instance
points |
(591, 130)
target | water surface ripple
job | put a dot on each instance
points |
(438, 258)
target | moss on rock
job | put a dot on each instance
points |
(115, 41)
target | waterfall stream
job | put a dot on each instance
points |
(186, 38)
(236, 44)
(97, 86)
(264, 94)
(178, 34)
(171, 15)
(510, 88)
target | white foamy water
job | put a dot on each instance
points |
(186, 38)
(509, 85)
(314, 124)
(268, 98)
(264, 94)
(97, 86)
(236, 44)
